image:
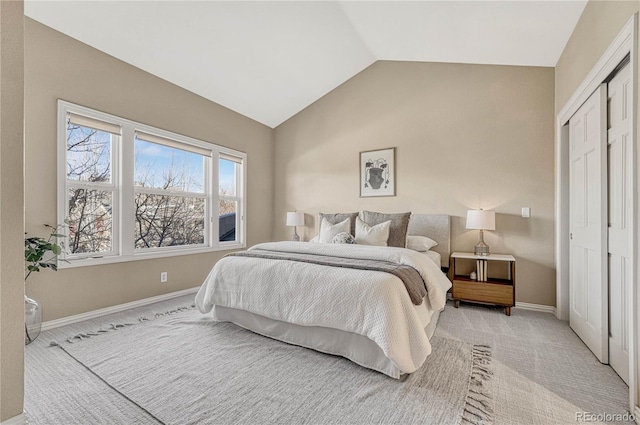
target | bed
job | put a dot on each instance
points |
(364, 315)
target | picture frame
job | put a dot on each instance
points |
(378, 173)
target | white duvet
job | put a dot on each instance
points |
(372, 304)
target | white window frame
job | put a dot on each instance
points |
(163, 192)
(113, 186)
(122, 187)
(238, 197)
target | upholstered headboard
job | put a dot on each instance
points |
(438, 228)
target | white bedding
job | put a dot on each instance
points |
(434, 256)
(374, 305)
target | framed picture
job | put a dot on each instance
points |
(378, 173)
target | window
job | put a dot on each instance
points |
(229, 168)
(90, 186)
(132, 191)
(170, 201)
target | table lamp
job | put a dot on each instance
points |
(295, 219)
(481, 220)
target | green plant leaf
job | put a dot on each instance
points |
(37, 248)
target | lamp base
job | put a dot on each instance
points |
(295, 238)
(481, 248)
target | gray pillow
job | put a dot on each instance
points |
(344, 237)
(339, 217)
(398, 229)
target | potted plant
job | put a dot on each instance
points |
(39, 253)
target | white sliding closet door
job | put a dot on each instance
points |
(620, 216)
(588, 312)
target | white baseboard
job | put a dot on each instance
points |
(51, 324)
(16, 420)
(536, 307)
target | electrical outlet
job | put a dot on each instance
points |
(163, 277)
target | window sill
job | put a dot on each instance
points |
(95, 261)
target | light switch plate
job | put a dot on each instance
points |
(526, 212)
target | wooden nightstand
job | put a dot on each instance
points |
(493, 290)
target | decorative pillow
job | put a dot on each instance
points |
(344, 237)
(420, 243)
(340, 217)
(372, 235)
(328, 231)
(398, 228)
(315, 239)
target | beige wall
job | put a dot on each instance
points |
(11, 209)
(467, 136)
(59, 67)
(599, 24)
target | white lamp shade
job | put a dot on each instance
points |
(295, 219)
(481, 219)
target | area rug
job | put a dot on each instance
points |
(184, 368)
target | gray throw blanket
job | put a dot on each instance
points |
(412, 280)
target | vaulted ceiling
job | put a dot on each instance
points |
(269, 60)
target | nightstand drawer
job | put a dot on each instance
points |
(484, 292)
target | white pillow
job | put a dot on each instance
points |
(420, 243)
(328, 231)
(372, 235)
(315, 239)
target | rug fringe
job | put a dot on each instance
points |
(478, 406)
(174, 311)
(114, 327)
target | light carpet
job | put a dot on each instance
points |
(183, 368)
(543, 373)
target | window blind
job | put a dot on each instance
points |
(83, 121)
(231, 158)
(172, 143)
